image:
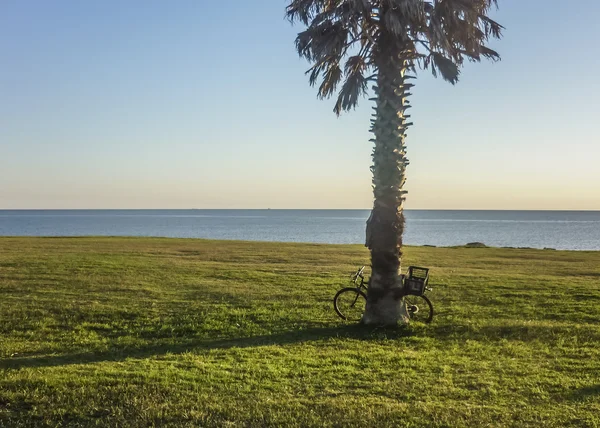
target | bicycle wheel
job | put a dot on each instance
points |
(349, 303)
(419, 308)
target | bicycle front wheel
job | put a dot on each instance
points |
(349, 304)
(419, 308)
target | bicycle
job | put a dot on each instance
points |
(349, 303)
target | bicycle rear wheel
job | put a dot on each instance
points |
(419, 308)
(349, 304)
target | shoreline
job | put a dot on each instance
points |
(472, 245)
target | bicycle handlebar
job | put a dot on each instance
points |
(358, 274)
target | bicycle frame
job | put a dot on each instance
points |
(361, 285)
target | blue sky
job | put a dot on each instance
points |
(192, 104)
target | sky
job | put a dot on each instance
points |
(196, 104)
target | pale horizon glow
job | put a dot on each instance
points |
(106, 105)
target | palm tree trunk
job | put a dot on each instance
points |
(385, 303)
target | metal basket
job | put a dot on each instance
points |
(416, 281)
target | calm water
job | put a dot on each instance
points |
(573, 230)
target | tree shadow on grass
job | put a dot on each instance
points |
(357, 332)
(589, 392)
(178, 345)
(511, 331)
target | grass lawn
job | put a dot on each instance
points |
(139, 332)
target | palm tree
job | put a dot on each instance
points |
(353, 42)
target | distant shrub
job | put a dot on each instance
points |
(476, 245)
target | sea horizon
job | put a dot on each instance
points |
(556, 229)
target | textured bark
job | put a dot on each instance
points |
(385, 304)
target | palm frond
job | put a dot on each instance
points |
(355, 84)
(489, 53)
(491, 27)
(446, 67)
(436, 34)
(323, 40)
(331, 78)
(302, 10)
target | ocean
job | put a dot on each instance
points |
(568, 230)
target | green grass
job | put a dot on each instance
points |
(171, 332)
